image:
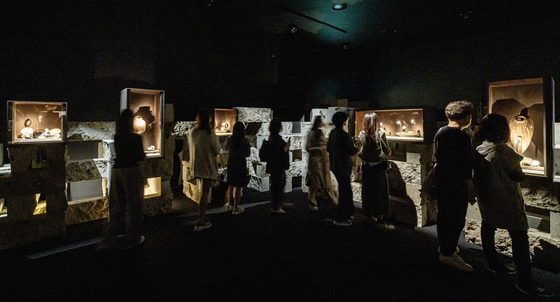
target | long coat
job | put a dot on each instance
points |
(204, 147)
(497, 175)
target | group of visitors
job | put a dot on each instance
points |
(482, 165)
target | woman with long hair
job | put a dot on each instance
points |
(126, 194)
(204, 148)
(277, 166)
(318, 168)
(497, 174)
(375, 188)
(239, 149)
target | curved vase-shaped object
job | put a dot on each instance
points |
(521, 133)
(139, 125)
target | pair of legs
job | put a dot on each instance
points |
(234, 193)
(126, 198)
(375, 191)
(521, 253)
(204, 186)
(277, 182)
(345, 207)
(452, 209)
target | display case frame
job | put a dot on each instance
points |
(36, 122)
(528, 105)
(223, 121)
(420, 121)
(148, 107)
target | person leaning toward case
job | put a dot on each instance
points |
(497, 174)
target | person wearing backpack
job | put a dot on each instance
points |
(277, 164)
(375, 188)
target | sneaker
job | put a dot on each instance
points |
(345, 223)
(278, 211)
(535, 291)
(500, 268)
(314, 208)
(227, 207)
(456, 261)
(287, 205)
(204, 226)
(237, 210)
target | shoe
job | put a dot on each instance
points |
(345, 223)
(278, 211)
(500, 268)
(386, 227)
(237, 210)
(457, 250)
(457, 262)
(128, 246)
(204, 226)
(287, 205)
(227, 207)
(535, 290)
(314, 208)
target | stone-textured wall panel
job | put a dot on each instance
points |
(296, 142)
(108, 150)
(82, 170)
(295, 169)
(306, 127)
(261, 184)
(250, 114)
(181, 129)
(87, 211)
(322, 112)
(411, 173)
(540, 198)
(90, 131)
(286, 128)
(357, 191)
(263, 130)
(102, 166)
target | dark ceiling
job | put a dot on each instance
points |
(367, 24)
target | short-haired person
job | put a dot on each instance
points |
(453, 181)
(341, 148)
(497, 173)
(277, 166)
(239, 149)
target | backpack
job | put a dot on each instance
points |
(264, 151)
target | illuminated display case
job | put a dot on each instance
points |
(148, 108)
(36, 122)
(414, 125)
(224, 119)
(528, 106)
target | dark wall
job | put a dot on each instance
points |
(441, 72)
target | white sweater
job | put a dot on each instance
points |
(204, 147)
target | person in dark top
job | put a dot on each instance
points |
(278, 165)
(453, 181)
(341, 147)
(239, 149)
(375, 186)
(126, 194)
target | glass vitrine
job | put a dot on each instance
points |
(400, 124)
(148, 108)
(224, 119)
(527, 105)
(36, 122)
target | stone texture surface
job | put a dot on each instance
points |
(261, 184)
(296, 142)
(545, 251)
(263, 130)
(411, 173)
(102, 166)
(540, 198)
(87, 211)
(286, 128)
(90, 131)
(181, 129)
(295, 169)
(250, 114)
(82, 170)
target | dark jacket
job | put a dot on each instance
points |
(341, 147)
(129, 150)
(280, 159)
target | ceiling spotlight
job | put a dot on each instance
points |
(341, 6)
(293, 28)
(345, 45)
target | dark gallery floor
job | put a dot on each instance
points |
(254, 256)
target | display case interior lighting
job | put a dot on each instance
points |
(339, 6)
(152, 188)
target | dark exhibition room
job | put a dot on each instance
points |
(280, 150)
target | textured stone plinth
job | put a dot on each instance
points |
(82, 170)
(87, 211)
(181, 129)
(250, 114)
(90, 131)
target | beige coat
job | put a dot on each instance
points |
(204, 147)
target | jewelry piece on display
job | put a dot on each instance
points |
(139, 125)
(522, 128)
(526, 161)
(151, 148)
(27, 123)
(27, 133)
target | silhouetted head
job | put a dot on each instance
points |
(339, 118)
